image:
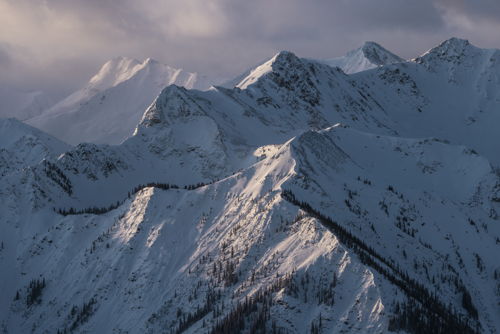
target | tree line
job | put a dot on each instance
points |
(101, 210)
(429, 315)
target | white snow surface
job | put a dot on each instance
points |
(369, 55)
(390, 154)
(109, 107)
(23, 146)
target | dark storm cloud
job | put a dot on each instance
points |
(223, 37)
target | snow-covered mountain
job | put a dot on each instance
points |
(368, 56)
(450, 92)
(302, 200)
(22, 146)
(121, 90)
(23, 105)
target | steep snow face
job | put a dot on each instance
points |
(22, 146)
(177, 130)
(186, 137)
(113, 73)
(439, 222)
(368, 56)
(171, 241)
(177, 142)
(452, 50)
(150, 260)
(287, 221)
(293, 94)
(14, 133)
(260, 70)
(451, 92)
(166, 256)
(121, 90)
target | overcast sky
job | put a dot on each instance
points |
(57, 45)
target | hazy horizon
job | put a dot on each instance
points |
(56, 45)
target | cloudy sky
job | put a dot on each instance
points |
(57, 45)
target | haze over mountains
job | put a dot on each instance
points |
(299, 199)
(23, 105)
(122, 89)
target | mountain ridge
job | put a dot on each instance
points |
(368, 56)
(305, 200)
(122, 89)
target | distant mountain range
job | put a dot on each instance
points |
(124, 87)
(121, 90)
(368, 56)
(296, 199)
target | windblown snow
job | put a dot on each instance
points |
(109, 107)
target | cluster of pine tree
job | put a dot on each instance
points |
(99, 211)
(254, 313)
(57, 175)
(434, 311)
(79, 315)
(413, 317)
(187, 320)
(34, 291)
(316, 325)
(93, 210)
(225, 271)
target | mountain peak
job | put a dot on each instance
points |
(169, 96)
(284, 56)
(151, 61)
(113, 72)
(283, 60)
(370, 45)
(120, 69)
(449, 50)
(368, 56)
(12, 129)
(451, 46)
(27, 142)
(378, 55)
(277, 63)
(10, 126)
(455, 41)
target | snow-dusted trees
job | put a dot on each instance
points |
(423, 312)
(34, 291)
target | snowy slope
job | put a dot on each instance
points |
(422, 205)
(23, 105)
(230, 239)
(121, 90)
(23, 146)
(368, 56)
(148, 243)
(300, 201)
(451, 92)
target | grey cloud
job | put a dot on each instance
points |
(476, 10)
(223, 37)
(5, 58)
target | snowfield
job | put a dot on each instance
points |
(302, 200)
(109, 107)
